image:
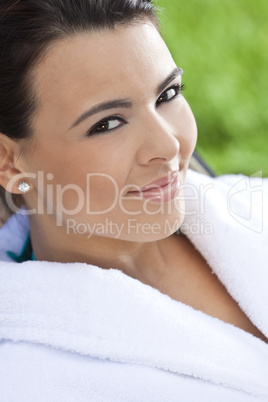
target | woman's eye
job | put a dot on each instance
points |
(170, 94)
(106, 125)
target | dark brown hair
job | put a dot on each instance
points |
(27, 30)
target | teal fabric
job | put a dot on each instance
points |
(26, 253)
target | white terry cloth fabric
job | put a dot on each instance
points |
(77, 333)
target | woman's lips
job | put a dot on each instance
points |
(160, 190)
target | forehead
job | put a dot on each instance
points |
(100, 65)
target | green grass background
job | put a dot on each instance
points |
(222, 46)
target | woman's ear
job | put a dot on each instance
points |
(10, 176)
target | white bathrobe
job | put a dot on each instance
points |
(79, 333)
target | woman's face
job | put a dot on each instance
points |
(135, 128)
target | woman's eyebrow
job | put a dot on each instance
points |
(174, 74)
(123, 103)
(102, 106)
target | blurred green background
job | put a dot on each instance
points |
(222, 46)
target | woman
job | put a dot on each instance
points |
(96, 139)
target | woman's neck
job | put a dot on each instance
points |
(141, 260)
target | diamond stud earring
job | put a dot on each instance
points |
(23, 187)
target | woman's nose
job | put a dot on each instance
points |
(158, 140)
